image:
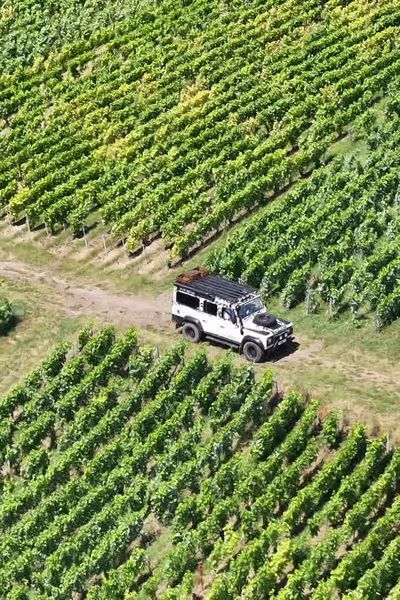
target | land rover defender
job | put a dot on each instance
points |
(211, 307)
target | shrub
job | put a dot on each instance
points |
(8, 317)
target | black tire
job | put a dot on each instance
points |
(191, 332)
(253, 352)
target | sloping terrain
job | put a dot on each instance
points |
(182, 118)
(177, 120)
(335, 237)
(133, 134)
(126, 475)
(351, 368)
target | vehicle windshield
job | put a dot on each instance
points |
(250, 307)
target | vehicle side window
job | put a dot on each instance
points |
(210, 308)
(228, 315)
(187, 300)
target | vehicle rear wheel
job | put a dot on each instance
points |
(191, 332)
(253, 352)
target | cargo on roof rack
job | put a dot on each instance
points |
(190, 276)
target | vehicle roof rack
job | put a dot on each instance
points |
(202, 283)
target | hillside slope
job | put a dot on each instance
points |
(127, 475)
(181, 118)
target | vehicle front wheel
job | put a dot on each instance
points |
(191, 332)
(253, 352)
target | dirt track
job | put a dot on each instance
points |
(94, 301)
(348, 373)
(143, 311)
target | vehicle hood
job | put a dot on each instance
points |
(264, 323)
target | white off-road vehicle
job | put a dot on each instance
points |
(211, 307)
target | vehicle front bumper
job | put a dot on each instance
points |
(279, 340)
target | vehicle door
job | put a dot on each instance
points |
(229, 325)
(209, 317)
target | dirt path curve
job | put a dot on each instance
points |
(93, 301)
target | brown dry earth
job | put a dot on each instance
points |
(94, 301)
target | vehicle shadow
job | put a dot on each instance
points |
(282, 352)
(277, 355)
